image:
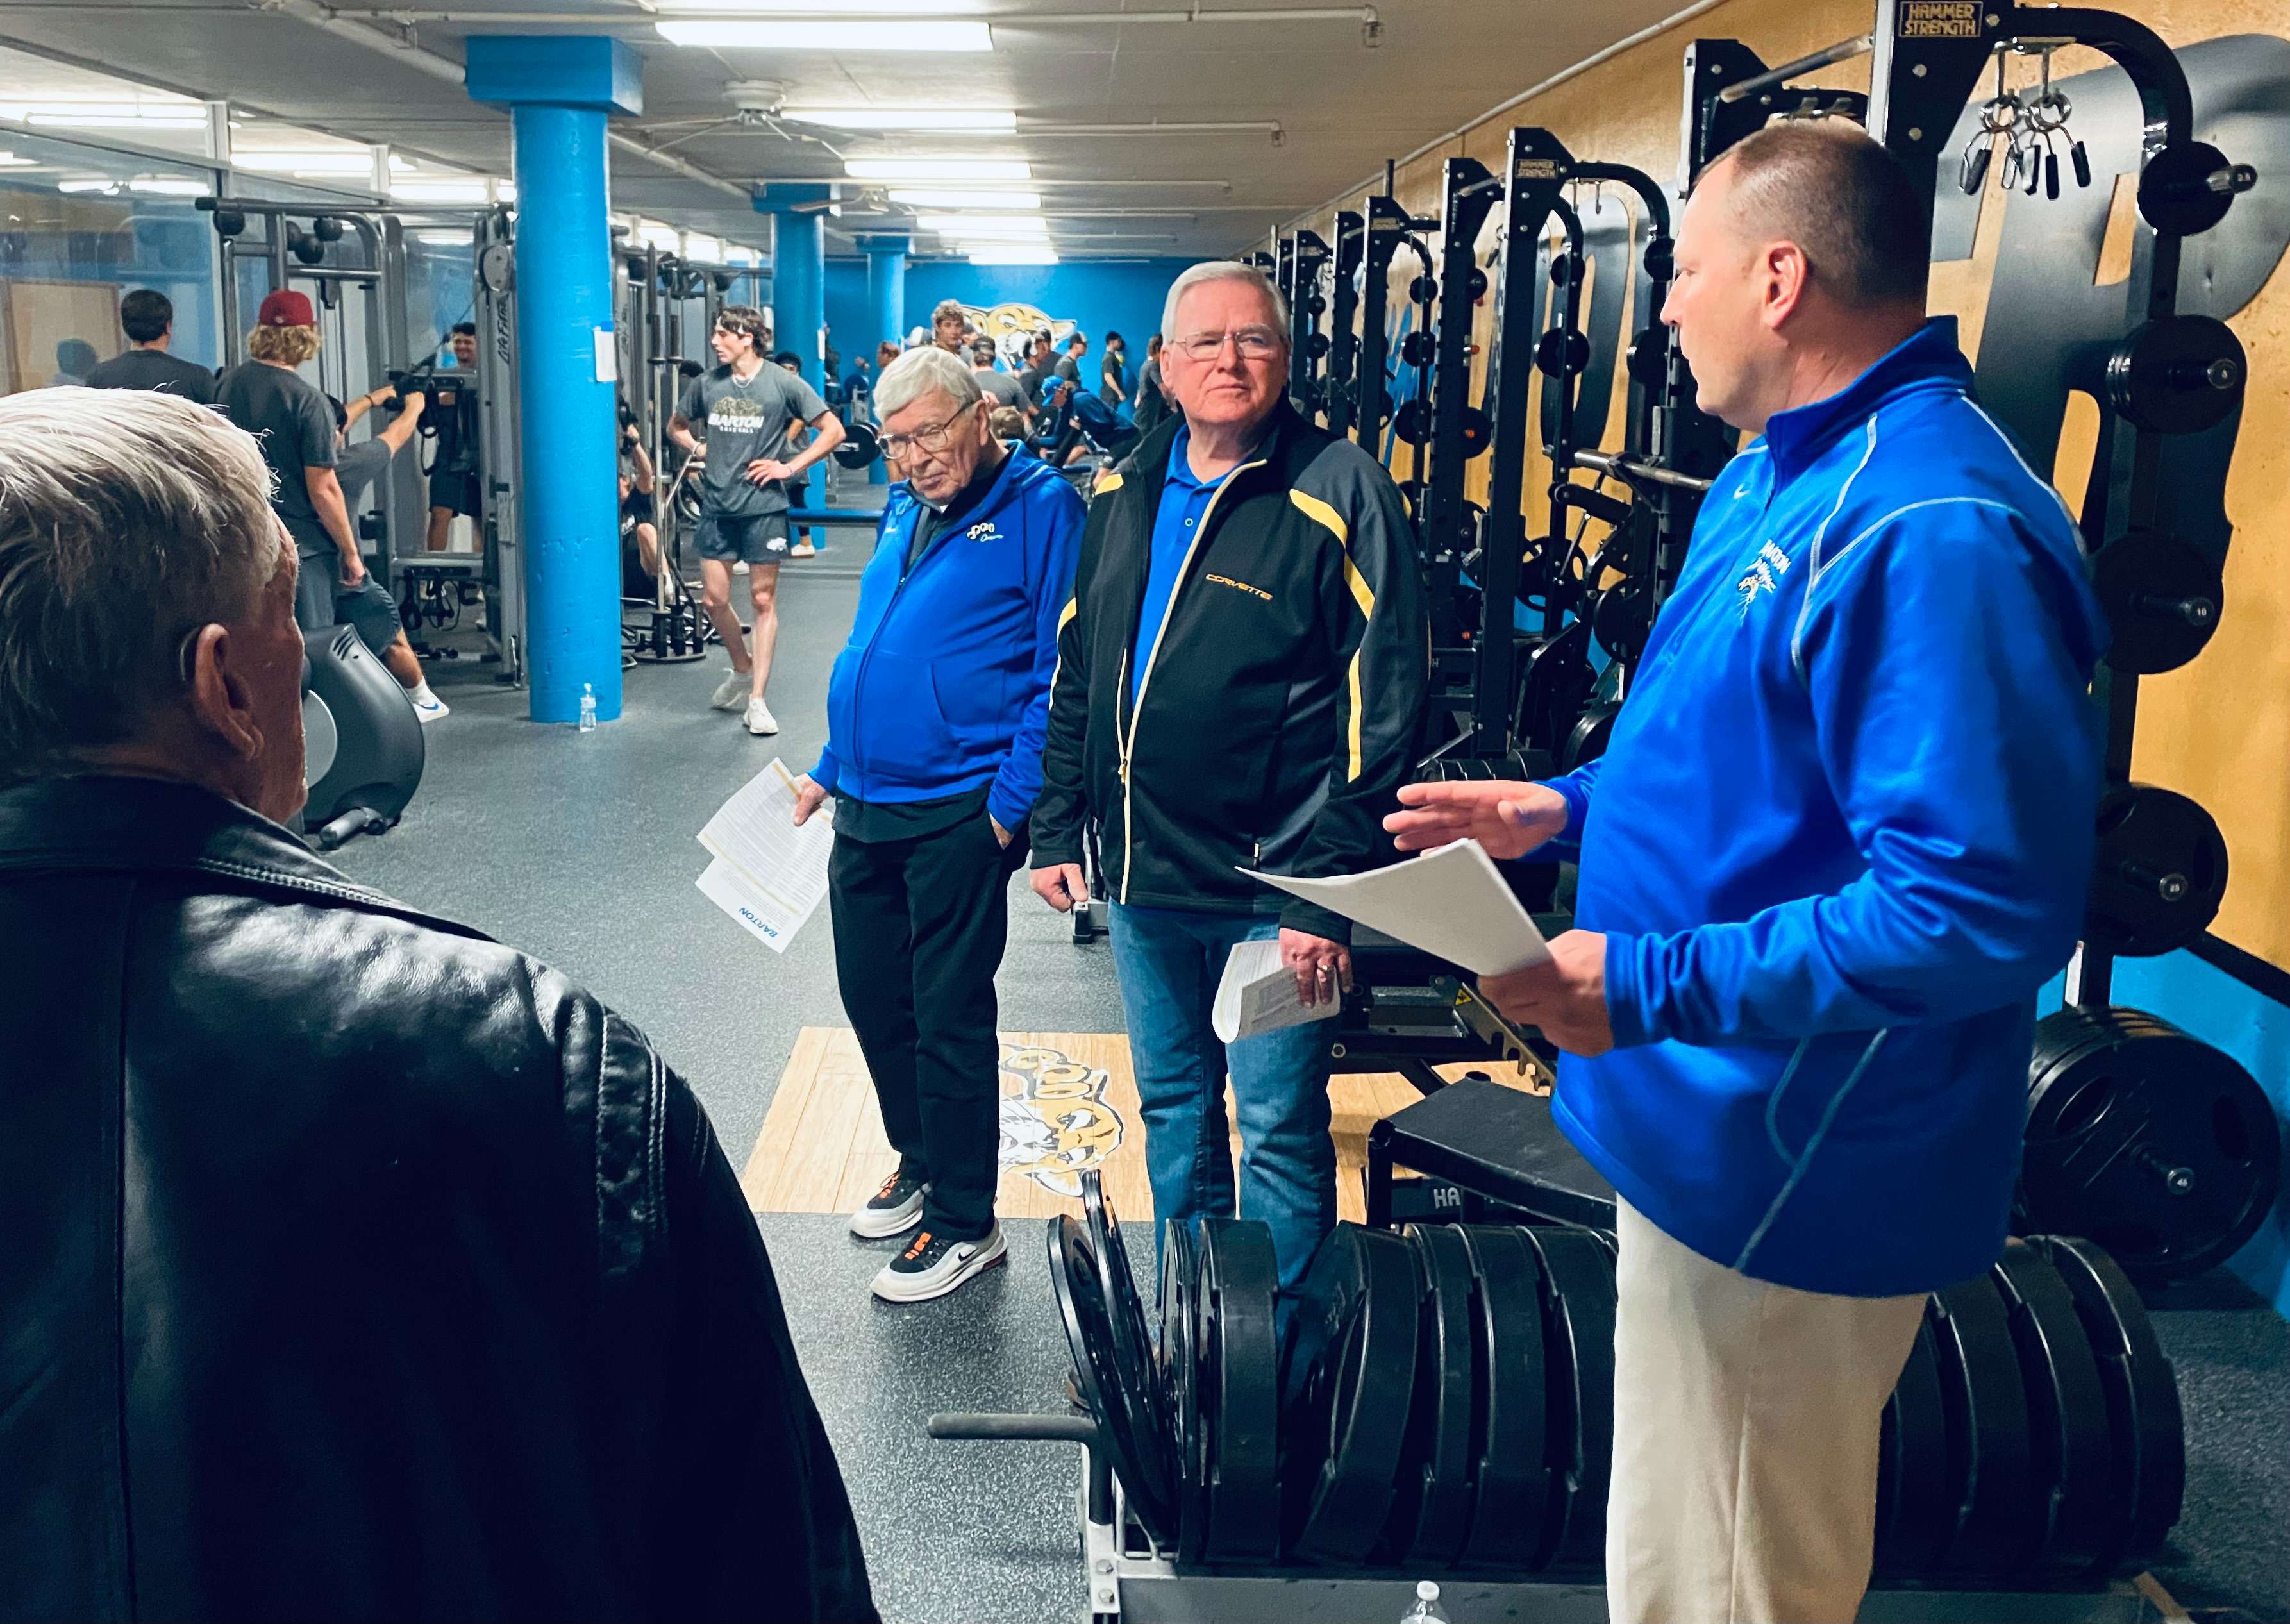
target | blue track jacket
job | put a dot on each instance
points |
(1841, 837)
(945, 684)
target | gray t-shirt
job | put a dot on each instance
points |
(742, 422)
(293, 423)
(1002, 389)
(1069, 369)
(1029, 382)
(155, 369)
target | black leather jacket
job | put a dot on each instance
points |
(355, 1266)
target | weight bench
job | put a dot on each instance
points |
(1494, 1141)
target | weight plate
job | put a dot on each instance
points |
(1986, 1406)
(2148, 1476)
(2163, 600)
(1349, 1386)
(1179, 1362)
(1507, 1527)
(1917, 1500)
(2151, 1143)
(859, 448)
(1413, 422)
(2073, 1452)
(2178, 374)
(2161, 874)
(1591, 732)
(1240, 1388)
(1431, 1512)
(1475, 432)
(1132, 1343)
(1562, 352)
(2174, 193)
(1578, 1327)
(1089, 1335)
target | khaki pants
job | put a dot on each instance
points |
(1745, 1440)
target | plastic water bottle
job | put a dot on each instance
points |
(1427, 1609)
(587, 708)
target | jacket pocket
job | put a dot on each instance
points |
(901, 732)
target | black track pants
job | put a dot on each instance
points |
(919, 929)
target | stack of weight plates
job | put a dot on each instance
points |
(1443, 1404)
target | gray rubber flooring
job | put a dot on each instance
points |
(581, 850)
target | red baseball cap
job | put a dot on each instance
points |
(286, 308)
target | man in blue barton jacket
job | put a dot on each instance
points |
(1840, 838)
(935, 713)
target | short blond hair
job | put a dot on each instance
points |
(287, 346)
(128, 518)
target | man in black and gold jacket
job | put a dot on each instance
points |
(1241, 684)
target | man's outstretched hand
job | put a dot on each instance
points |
(1567, 997)
(1508, 818)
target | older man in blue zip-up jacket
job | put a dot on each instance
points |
(935, 715)
(1839, 839)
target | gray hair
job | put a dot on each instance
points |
(929, 370)
(128, 518)
(954, 307)
(1223, 270)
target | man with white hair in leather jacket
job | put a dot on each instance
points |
(357, 1266)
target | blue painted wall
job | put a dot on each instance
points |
(2212, 1005)
(1124, 297)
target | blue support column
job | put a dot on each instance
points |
(886, 305)
(559, 91)
(799, 311)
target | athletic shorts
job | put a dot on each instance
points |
(369, 607)
(759, 538)
(460, 492)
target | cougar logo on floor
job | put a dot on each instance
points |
(1058, 1126)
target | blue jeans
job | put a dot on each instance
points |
(1169, 962)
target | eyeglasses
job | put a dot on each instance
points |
(1253, 343)
(935, 438)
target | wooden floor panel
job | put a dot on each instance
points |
(1068, 1103)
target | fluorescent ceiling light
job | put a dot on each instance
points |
(855, 8)
(904, 34)
(1014, 256)
(939, 169)
(102, 115)
(444, 239)
(983, 225)
(930, 199)
(167, 185)
(86, 184)
(997, 120)
(9, 160)
(336, 163)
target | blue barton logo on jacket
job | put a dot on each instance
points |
(1771, 563)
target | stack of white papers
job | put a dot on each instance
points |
(1450, 902)
(768, 873)
(1258, 994)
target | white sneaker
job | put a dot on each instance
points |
(802, 549)
(759, 718)
(430, 712)
(731, 692)
(893, 1210)
(931, 1266)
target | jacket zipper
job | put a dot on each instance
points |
(859, 678)
(1145, 682)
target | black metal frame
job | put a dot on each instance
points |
(1343, 320)
(1385, 228)
(1306, 345)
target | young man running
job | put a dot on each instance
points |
(748, 406)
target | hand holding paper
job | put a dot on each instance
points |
(1452, 903)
